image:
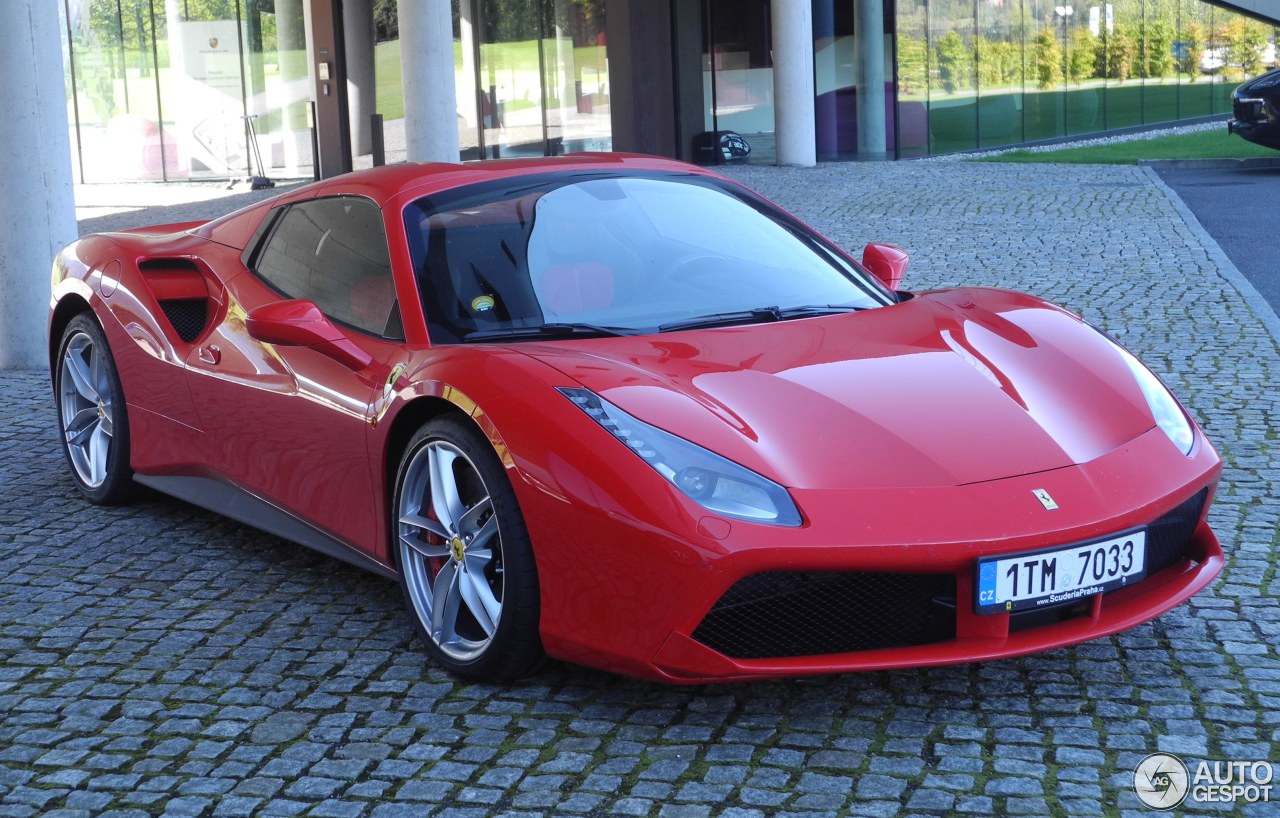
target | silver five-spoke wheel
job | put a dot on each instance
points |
(86, 406)
(463, 552)
(448, 549)
(91, 413)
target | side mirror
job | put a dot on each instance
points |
(300, 323)
(886, 263)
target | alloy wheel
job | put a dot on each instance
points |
(86, 408)
(451, 550)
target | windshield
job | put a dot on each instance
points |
(617, 255)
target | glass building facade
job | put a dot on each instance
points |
(164, 89)
(988, 73)
(168, 89)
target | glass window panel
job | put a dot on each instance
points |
(1194, 57)
(1044, 104)
(121, 136)
(465, 75)
(912, 46)
(333, 252)
(204, 87)
(835, 79)
(1081, 28)
(511, 92)
(998, 48)
(738, 73)
(576, 77)
(1160, 70)
(953, 87)
(1124, 65)
(277, 83)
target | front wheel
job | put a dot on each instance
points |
(94, 423)
(466, 564)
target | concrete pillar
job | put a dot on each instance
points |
(362, 93)
(430, 98)
(793, 92)
(291, 56)
(687, 44)
(868, 27)
(173, 19)
(37, 207)
(465, 81)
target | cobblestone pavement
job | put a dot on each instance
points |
(159, 659)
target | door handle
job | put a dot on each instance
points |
(211, 355)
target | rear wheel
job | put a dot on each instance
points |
(91, 413)
(466, 564)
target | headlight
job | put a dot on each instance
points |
(711, 481)
(1167, 412)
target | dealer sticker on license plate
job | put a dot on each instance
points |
(1037, 579)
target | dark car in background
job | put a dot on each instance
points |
(1256, 106)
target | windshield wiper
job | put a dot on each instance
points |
(547, 331)
(759, 315)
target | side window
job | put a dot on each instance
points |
(334, 252)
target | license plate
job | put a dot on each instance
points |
(1036, 579)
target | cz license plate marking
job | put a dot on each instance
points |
(1054, 576)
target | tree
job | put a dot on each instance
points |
(1082, 55)
(1159, 50)
(1048, 60)
(1192, 47)
(955, 62)
(386, 20)
(1245, 41)
(913, 63)
(1122, 52)
(999, 62)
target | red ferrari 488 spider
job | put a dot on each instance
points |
(625, 412)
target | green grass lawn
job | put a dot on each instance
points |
(1214, 144)
(514, 64)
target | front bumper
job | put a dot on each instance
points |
(1255, 120)
(976, 637)
(626, 589)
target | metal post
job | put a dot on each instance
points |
(315, 140)
(379, 145)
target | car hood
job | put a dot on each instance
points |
(948, 388)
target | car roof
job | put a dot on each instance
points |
(411, 180)
(424, 178)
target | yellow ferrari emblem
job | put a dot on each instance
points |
(455, 548)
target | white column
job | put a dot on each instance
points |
(868, 26)
(357, 26)
(430, 99)
(465, 84)
(793, 94)
(291, 56)
(37, 207)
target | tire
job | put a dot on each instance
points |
(466, 563)
(93, 419)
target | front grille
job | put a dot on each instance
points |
(1169, 536)
(1167, 541)
(1247, 110)
(187, 315)
(782, 613)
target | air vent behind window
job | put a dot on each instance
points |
(183, 294)
(188, 316)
